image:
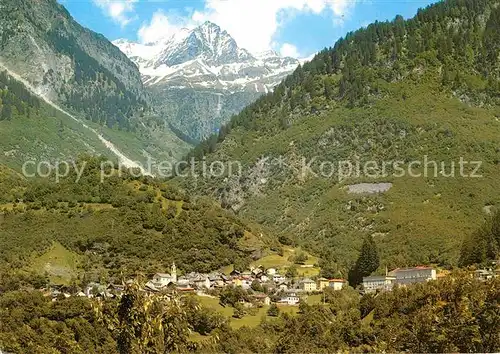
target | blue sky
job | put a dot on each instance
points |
(292, 27)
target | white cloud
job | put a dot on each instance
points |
(121, 12)
(253, 24)
(161, 26)
(289, 50)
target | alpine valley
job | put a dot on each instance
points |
(380, 153)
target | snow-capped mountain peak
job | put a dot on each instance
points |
(207, 57)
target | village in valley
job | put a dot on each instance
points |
(259, 287)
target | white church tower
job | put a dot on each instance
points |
(173, 273)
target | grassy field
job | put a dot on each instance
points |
(251, 320)
(213, 303)
(282, 262)
(59, 263)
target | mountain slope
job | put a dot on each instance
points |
(397, 91)
(34, 129)
(68, 63)
(199, 78)
(86, 75)
(119, 226)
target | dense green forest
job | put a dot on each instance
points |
(401, 90)
(456, 314)
(107, 101)
(483, 245)
(398, 90)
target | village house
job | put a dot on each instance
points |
(257, 271)
(218, 284)
(94, 289)
(151, 287)
(322, 283)
(307, 285)
(236, 281)
(114, 290)
(290, 299)
(161, 280)
(247, 274)
(399, 276)
(278, 278)
(269, 285)
(378, 283)
(245, 304)
(185, 289)
(183, 281)
(337, 284)
(271, 271)
(414, 275)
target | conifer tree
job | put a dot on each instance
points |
(367, 262)
(273, 310)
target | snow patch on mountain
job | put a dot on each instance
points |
(207, 57)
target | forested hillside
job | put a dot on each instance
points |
(459, 37)
(394, 91)
(33, 130)
(117, 228)
(83, 70)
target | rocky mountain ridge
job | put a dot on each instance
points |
(207, 57)
(199, 78)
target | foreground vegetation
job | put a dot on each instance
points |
(456, 314)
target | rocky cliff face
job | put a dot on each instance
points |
(67, 63)
(201, 77)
